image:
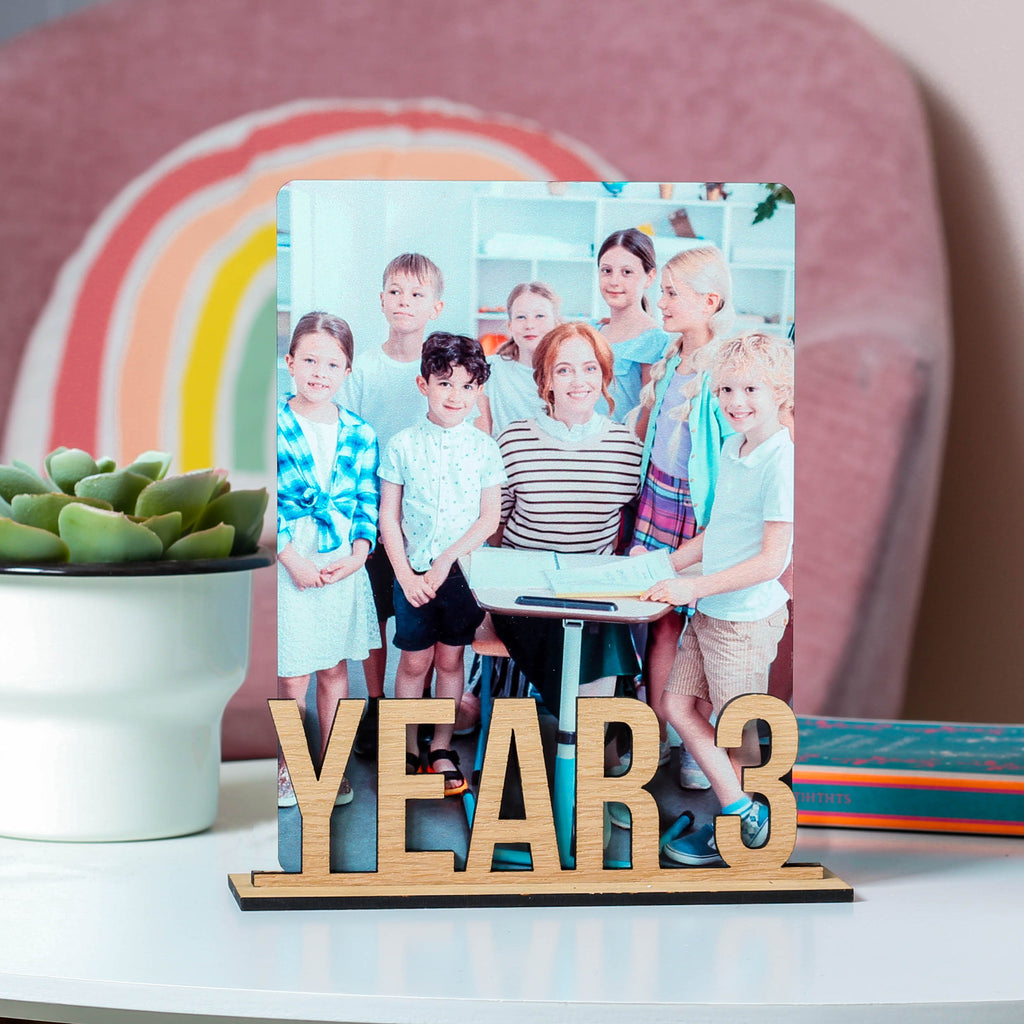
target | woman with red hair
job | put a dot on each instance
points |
(570, 472)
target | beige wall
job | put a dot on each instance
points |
(969, 60)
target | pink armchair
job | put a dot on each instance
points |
(126, 120)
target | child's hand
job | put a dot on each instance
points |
(417, 589)
(339, 570)
(437, 573)
(679, 591)
(637, 549)
(304, 573)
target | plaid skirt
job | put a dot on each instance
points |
(664, 517)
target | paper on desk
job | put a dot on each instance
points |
(618, 577)
(510, 569)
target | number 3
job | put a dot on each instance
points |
(765, 780)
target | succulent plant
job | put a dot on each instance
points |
(81, 509)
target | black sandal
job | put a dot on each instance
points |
(413, 766)
(450, 774)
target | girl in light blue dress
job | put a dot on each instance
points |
(627, 267)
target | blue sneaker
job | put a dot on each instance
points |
(754, 825)
(697, 850)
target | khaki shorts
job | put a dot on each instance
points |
(718, 660)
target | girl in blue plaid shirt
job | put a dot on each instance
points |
(326, 526)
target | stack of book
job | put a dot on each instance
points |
(922, 776)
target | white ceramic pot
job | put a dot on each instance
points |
(112, 688)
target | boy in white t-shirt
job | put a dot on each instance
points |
(382, 390)
(741, 608)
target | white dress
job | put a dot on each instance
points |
(320, 626)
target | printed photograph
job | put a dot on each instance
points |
(535, 441)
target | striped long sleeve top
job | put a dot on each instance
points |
(567, 496)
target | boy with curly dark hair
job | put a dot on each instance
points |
(440, 499)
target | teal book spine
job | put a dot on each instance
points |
(918, 776)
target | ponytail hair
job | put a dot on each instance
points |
(637, 244)
(509, 349)
(705, 270)
(314, 323)
(546, 356)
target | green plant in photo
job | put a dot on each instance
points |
(776, 194)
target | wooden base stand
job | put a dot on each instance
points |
(794, 883)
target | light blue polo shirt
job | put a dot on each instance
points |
(752, 490)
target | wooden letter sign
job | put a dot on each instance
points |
(534, 873)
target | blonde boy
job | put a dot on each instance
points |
(382, 390)
(741, 608)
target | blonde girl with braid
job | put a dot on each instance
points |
(683, 429)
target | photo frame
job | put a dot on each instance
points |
(545, 818)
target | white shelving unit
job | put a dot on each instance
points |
(336, 237)
(522, 234)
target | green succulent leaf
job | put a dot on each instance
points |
(69, 466)
(21, 543)
(153, 464)
(187, 494)
(43, 510)
(82, 509)
(48, 457)
(121, 489)
(244, 510)
(16, 480)
(167, 527)
(33, 472)
(95, 535)
(212, 543)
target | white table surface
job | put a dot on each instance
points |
(149, 932)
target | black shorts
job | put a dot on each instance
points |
(450, 618)
(382, 581)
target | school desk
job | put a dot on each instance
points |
(630, 610)
(148, 933)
